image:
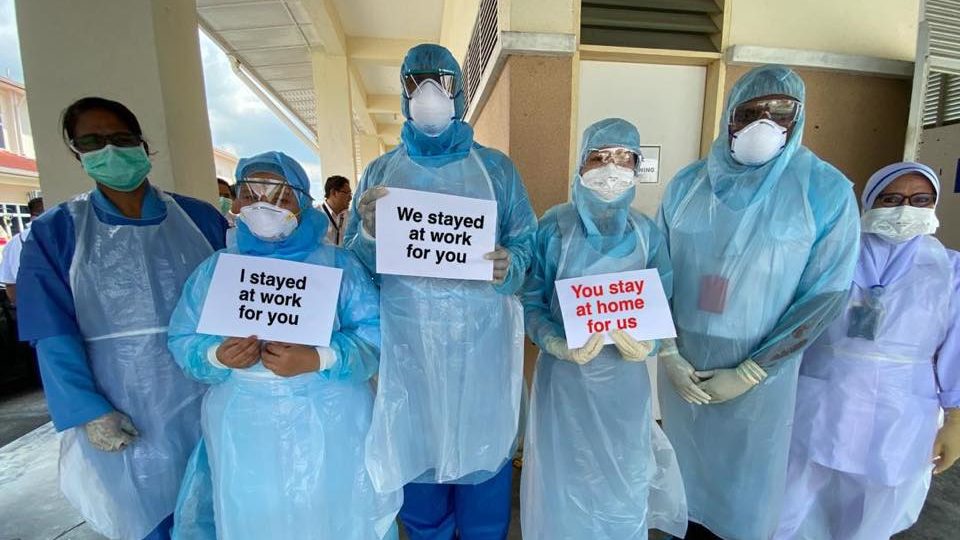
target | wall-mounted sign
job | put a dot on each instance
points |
(650, 166)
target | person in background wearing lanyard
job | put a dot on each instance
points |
(872, 387)
(103, 272)
(336, 206)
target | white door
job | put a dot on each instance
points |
(666, 105)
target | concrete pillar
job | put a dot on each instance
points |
(370, 149)
(142, 53)
(331, 79)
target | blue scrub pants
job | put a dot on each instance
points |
(163, 530)
(464, 511)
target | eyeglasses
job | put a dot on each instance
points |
(621, 157)
(783, 111)
(446, 80)
(920, 200)
(94, 141)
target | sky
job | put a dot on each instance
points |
(239, 122)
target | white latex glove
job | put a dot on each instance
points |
(558, 347)
(367, 207)
(111, 432)
(726, 384)
(501, 263)
(682, 375)
(631, 349)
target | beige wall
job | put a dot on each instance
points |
(940, 148)
(881, 28)
(528, 117)
(538, 15)
(457, 25)
(14, 193)
(844, 124)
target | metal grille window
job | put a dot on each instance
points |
(941, 103)
(691, 25)
(14, 217)
(480, 49)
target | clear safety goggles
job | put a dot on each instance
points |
(275, 192)
(619, 156)
(446, 80)
(782, 111)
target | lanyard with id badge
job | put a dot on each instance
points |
(866, 316)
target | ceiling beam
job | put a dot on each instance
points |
(383, 103)
(326, 21)
(388, 52)
(359, 102)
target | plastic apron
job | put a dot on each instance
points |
(735, 274)
(451, 360)
(596, 465)
(870, 408)
(126, 280)
(286, 457)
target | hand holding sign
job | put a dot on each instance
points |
(288, 360)
(367, 208)
(633, 302)
(501, 264)
(239, 353)
(427, 234)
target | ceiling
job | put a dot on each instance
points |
(273, 41)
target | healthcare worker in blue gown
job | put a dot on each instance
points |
(99, 277)
(866, 436)
(763, 237)
(448, 399)
(284, 424)
(596, 465)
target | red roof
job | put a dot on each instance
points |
(13, 161)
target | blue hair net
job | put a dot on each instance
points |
(606, 133)
(313, 224)
(737, 184)
(606, 223)
(885, 176)
(431, 57)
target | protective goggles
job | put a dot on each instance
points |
(783, 111)
(619, 156)
(275, 192)
(93, 141)
(446, 80)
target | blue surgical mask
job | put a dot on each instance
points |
(119, 168)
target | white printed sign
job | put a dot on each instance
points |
(428, 234)
(630, 301)
(273, 299)
(649, 170)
